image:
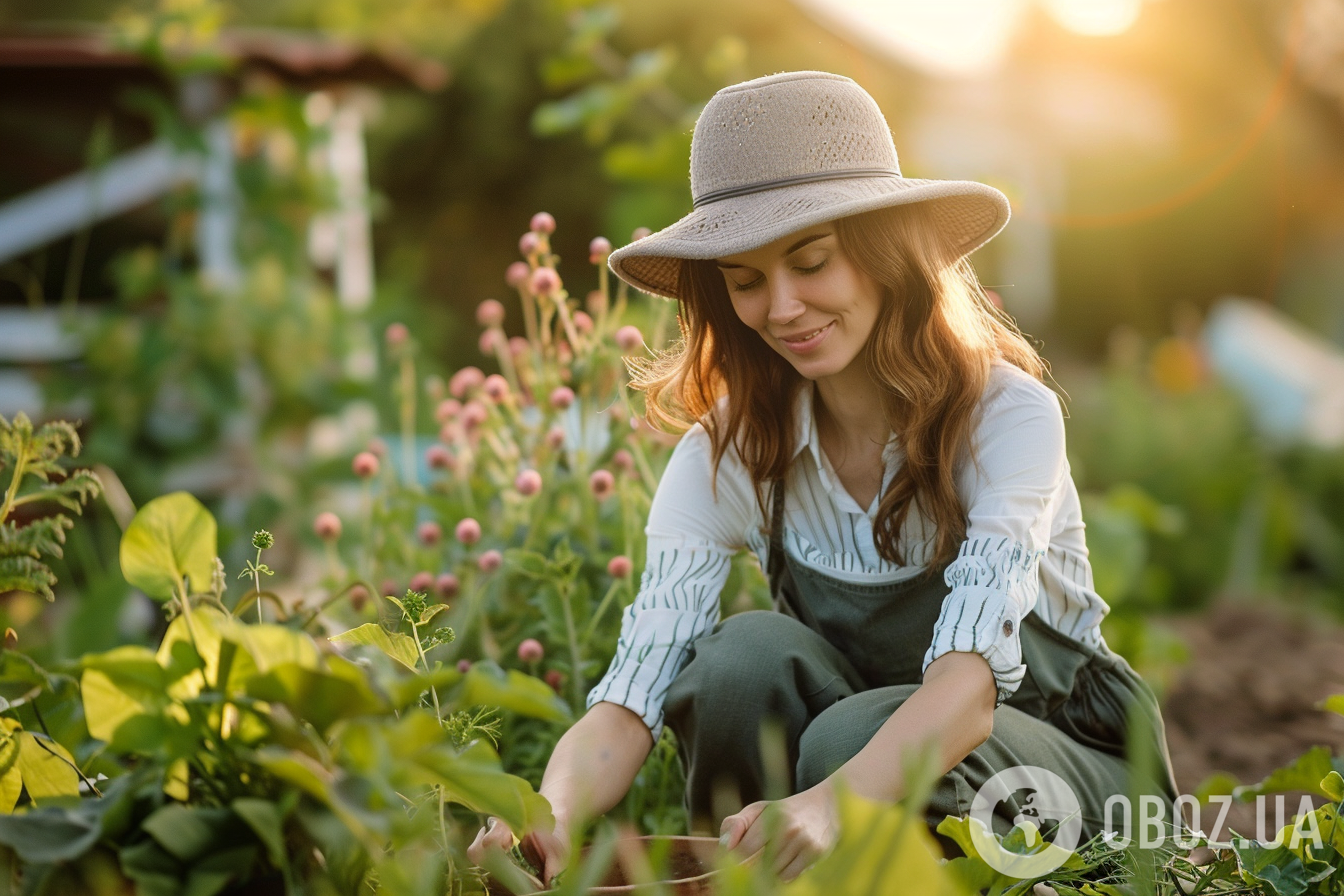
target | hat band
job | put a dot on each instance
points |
(790, 181)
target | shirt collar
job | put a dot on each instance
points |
(807, 438)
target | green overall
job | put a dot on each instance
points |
(836, 660)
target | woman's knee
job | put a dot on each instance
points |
(745, 651)
(843, 729)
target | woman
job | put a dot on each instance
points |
(863, 418)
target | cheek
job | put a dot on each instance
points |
(748, 310)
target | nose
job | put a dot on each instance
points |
(785, 302)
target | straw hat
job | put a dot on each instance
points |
(776, 154)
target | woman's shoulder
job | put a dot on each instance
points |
(1011, 387)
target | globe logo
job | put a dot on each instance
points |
(1046, 807)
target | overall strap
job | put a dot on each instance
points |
(782, 590)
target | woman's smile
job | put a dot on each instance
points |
(806, 342)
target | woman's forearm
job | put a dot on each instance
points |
(954, 707)
(595, 762)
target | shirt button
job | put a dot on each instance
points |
(1007, 626)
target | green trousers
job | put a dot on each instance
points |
(835, 660)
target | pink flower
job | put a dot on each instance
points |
(562, 397)
(449, 433)
(429, 533)
(447, 410)
(359, 597)
(468, 531)
(623, 461)
(465, 380)
(598, 250)
(490, 313)
(639, 234)
(327, 526)
(528, 244)
(389, 587)
(555, 437)
(463, 666)
(531, 651)
(582, 322)
(446, 585)
(489, 339)
(518, 346)
(555, 678)
(490, 561)
(515, 275)
(542, 222)
(474, 414)
(596, 302)
(439, 458)
(563, 353)
(628, 338)
(422, 581)
(496, 388)
(396, 335)
(619, 566)
(365, 464)
(602, 483)
(544, 282)
(528, 483)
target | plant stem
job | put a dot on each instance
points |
(601, 608)
(575, 657)
(256, 579)
(20, 462)
(408, 418)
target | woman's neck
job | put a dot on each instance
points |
(848, 405)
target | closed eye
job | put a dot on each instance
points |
(753, 284)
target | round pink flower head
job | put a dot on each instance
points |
(463, 666)
(555, 678)
(531, 651)
(465, 380)
(446, 585)
(488, 340)
(544, 282)
(596, 302)
(468, 531)
(639, 233)
(474, 414)
(518, 346)
(365, 464)
(623, 461)
(555, 437)
(429, 533)
(359, 597)
(327, 526)
(542, 222)
(422, 581)
(619, 566)
(628, 338)
(396, 334)
(598, 250)
(563, 353)
(496, 388)
(447, 410)
(602, 483)
(562, 397)
(490, 561)
(582, 322)
(388, 587)
(528, 483)
(516, 274)
(490, 313)
(528, 244)
(439, 458)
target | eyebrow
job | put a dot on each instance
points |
(789, 251)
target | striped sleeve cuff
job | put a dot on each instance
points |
(994, 584)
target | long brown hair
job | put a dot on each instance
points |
(930, 353)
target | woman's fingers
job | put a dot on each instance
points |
(746, 830)
(495, 835)
(800, 863)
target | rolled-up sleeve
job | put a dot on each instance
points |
(692, 537)
(1009, 498)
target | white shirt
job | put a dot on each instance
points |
(1024, 548)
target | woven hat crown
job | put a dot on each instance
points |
(787, 126)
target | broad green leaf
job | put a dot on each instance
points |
(1304, 773)
(475, 779)
(53, 834)
(268, 822)
(170, 537)
(124, 682)
(317, 696)
(430, 612)
(406, 689)
(189, 833)
(396, 645)
(1333, 703)
(11, 785)
(154, 870)
(312, 778)
(9, 743)
(190, 665)
(1277, 869)
(47, 768)
(1332, 785)
(215, 872)
(486, 684)
(1216, 784)
(269, 646)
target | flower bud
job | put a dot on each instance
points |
(623, 461)
(619, 566)
(598, 250)
(365, 464)
(490, 561)
(359, 597)
(496, 388)
(544, 282)
(438, 457)
(562, 397)
(528, 483)
(464, 666)
(555, 678)
(563, 353)
(464, 381)
(446, 585)
(628, 338)
(488, 340)
(262, 540)
(555, 437)
(583, 323)
(602, 483)
(528, 244)
(542, 222)
(518, 346)
(422, 581)
(639, 233)
(447, 410)
(516, 274)
(596, 302)
(429, 533)
(474, 414)
(531, 651)
(327, 525)
(389, 588)
(490, 313)
(468, 531)
(396, 335)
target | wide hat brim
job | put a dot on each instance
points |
(969, 213)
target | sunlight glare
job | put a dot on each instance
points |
(1095, 18)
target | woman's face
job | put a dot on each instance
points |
(806, 299)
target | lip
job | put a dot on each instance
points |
(806, 345)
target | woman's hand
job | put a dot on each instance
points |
(808, 827)
(548, 850)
